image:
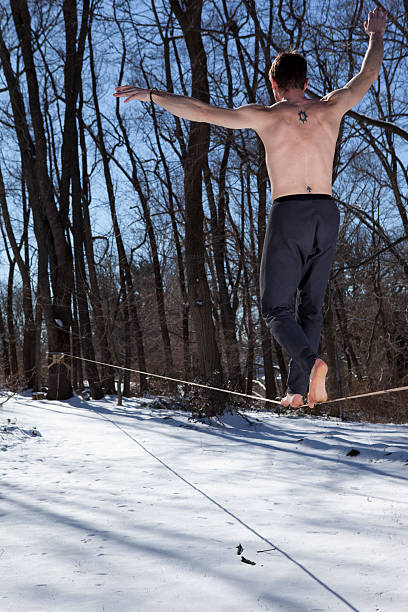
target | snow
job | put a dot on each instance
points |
(135, 508)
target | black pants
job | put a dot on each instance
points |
(298, 251)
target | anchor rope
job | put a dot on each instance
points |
(229, 391)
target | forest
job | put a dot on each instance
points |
(132, 237)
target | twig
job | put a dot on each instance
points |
(267, 550)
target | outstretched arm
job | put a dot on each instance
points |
(194, 110)
(347, 97)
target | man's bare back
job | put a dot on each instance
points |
(299, 142)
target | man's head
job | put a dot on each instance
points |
(288, 71)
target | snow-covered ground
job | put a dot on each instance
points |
(128, 509)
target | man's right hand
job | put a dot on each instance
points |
(376, 20)
(132, 92)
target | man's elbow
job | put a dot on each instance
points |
(204, 114)
(375, 74)
(370, 74)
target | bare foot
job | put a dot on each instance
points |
(295, 400)
(317, 385)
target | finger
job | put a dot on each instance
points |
(124, 93)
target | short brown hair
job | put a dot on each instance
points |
(289, 70)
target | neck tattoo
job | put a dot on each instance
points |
(302, 116)
(309, 188)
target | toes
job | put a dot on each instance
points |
(292, 401)
(310, 403)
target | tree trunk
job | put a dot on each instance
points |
(250, 335)
(128, 357)
(38, 357)
(29, 334)
(24, 269)
(228, 321)
(347, 344)
(71, 176)
(197, 150)
(77, 377)
(58, 311)
(144, 200)
(175, 229)
(270, 384)
(101, 336)
(12, 347)
(4, 350)
(123, 260)
(334, 381)
(159, 289)
(81, 290)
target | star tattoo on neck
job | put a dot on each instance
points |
(309, 188)
(302, 116)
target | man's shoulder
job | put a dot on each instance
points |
(284, 105)
(332, 97)
(257, 107)
(271, 109)
(256, 114)
(283, 108)
(326, 106)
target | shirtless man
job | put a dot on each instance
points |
(299, 136)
